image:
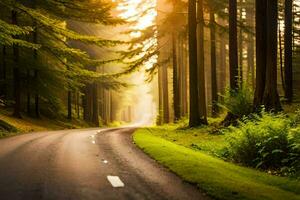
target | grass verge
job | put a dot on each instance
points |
(219, 179)
(27, 124)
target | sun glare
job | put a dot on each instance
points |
(142, 14)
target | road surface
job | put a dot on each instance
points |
(74, 165)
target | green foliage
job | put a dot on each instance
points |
(219, 179)
(6, 127)
(240, 102)
(267, 142)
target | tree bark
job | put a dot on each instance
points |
(28, 93)
(95, 105)
(271, 98)
(3, 74)
(176, 101)
(166, 111)
(250, 48)
(261, 45)
(199, 62)
(69, 105)
(16, 73)
(214, 87)
(233, 47)
(195, 109)
(288, 50)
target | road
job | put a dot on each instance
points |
(74, 165)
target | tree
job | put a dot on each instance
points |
(214, 87)
(200, 63)
(271, 98)
(288, 50)
(195, 118)
(261, 45)
(16, 72)
(233, 47)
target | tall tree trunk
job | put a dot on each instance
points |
(233, 47)
(3, 74)
(69, 104)
(28, 92)
(160, 97)
(241, 50)
(271, 97)
(214, 87)
(250, 48)
(16, 73)
(195, 118)
(85, 104)
(176, 101)
(281, 57)
(184, 77)
(261, 45)
(199, 62)
(36, 75)
(194, 103)
(166, 111)
(288, 50)
(95, 105)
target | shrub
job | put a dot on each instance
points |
(239, 103)
(267, 142)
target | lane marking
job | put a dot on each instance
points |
(115, 181)
(98, 131)
(93, 142)
(104, 161)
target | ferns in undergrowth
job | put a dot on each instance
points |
(266, 141)
(239, 102)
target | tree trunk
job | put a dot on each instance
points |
(214, 87)
(241, 48)
(194, 119)
(176, 101)
(288, 50)
(95, 105)
(166, 111)
(233, 47)
(36, 75)
(271, 97)
(69, 105)
(250, 48)
(28, 93)
(3, 74)
(261, 45)
(199, 62)
(16, 73)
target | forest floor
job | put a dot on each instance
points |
(196, 155)
(28, 124)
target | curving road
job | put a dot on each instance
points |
(74, 165)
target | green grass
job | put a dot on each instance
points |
(198, 139)
(219, 179)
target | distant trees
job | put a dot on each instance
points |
(36, 35)
(218, 20)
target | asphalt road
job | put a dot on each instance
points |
(72, 165)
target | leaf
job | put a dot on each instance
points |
(277, 151)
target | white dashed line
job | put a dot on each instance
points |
(93, 142)
(115, 181)
(105, 161)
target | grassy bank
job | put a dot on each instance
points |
(27, 124)
(219, 179)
